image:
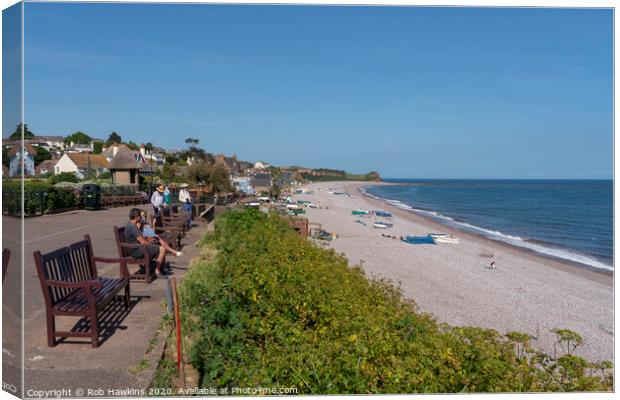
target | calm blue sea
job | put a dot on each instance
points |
(569, 219)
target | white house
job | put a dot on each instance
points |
(261, 165)
(52, 142)
(81, 163)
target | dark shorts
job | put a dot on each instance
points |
(152, 249)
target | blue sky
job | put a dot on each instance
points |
(409, 92)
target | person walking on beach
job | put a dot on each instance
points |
(157, 200)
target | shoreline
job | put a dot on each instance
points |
(585, 271)
(527, 292)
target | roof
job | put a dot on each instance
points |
(50, 138)
(29, 149)
(82, 160)
(261, 180)
(124, 159)
(109, 152)
(47, 165)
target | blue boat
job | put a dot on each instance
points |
(380, 213)
(428, 239)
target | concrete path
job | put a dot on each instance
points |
(73, 366)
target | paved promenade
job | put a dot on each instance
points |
(73, 364)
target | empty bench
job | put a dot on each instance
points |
(72, 287)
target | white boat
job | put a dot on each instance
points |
(382, 225)
(444, 238)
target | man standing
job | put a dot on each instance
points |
(157, 200)
(186, 202)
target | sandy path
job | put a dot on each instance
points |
(452, 282)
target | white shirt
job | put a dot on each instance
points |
(157, 200)
(184, 196)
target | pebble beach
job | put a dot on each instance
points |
(453, 282)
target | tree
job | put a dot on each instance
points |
(114, 138)
(171, 158)
(17, 135)
(97, 147)
(215, 174)
(275, 191)
(79, 138)
(149, 146)
(191, 141)
(133, 146)
(5, 157)
(42, 155)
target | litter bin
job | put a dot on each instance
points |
(92, 196)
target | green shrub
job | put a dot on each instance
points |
(39, 196)
(273, 310)
(63, 177)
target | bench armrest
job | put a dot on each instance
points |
(121, 261)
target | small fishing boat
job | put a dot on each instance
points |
(360, 212)
(428, 239)
(444, 238)
(382, 225)
(385, 214)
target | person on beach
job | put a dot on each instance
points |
(157, 200)
(149, 234)
(133, 235)
(492, 266)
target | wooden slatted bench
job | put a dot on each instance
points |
(71, 287)
(147, 270)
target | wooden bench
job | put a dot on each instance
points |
(170, 222)
(71, 287)
(147, 266)
(6, 256)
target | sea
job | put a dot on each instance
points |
(566, 219)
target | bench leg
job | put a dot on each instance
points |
(51, 330)
(147, 273)
(127, 297)
(94, 329)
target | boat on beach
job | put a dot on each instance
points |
(360, 212)
(382, 225)
(444, 238)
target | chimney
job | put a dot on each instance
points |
(115, 149)
(142, 149)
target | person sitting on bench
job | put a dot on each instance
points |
(150, 235)
(133, 235)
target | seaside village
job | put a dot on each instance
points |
(113, 225)
(122, 172)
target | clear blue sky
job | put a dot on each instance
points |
(409, 92)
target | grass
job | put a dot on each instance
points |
(262, 307)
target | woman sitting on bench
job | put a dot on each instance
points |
(133, 235)
(150, 235)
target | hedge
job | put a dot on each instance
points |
(40, 197)
(274, 310)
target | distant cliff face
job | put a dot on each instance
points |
(373, 176)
